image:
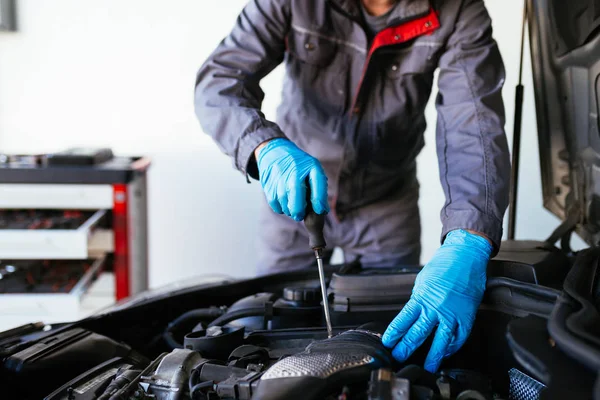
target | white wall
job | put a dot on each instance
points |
(120, 74)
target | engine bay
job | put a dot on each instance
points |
(351, 365)
(231, 359)
(273, 344)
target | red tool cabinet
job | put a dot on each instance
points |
(94, 212)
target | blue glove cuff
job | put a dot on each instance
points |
(460, 237)
(272, 144)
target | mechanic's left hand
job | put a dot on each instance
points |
(447, 293)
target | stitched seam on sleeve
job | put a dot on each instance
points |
(444, 154)
(239, 139)
(481, 137)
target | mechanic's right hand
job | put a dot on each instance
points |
(283, 170)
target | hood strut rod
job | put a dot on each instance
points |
(516, 147)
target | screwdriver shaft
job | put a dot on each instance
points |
(324, 294)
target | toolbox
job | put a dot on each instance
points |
(68, 208)
(50, 234)
(43, 286)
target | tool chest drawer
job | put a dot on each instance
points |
(48, 234)
(36, 286)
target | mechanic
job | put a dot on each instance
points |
(359, 74)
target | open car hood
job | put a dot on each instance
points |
(565, 53)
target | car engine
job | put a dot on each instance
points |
(265, 339)
(272, 345)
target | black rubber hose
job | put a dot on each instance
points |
(237, 314)
(192, 381)
(418, 376)
(536, 290)
(122, 379)
(170, 340)
(197, 388)
(200, 313)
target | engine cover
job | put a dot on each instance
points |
(324, 365)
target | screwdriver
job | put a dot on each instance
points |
(314, 225)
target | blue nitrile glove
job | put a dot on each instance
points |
(447, 293)
(283, 169)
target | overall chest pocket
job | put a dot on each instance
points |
(405, 75)
(319, 71)
(420, 58)
(405, 80)
(312, 48)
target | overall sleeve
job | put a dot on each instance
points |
(471, 144)
(228, 96)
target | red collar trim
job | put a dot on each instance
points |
(407, 31)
